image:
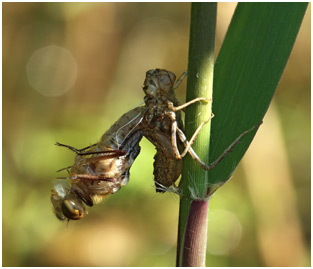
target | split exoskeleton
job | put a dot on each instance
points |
(163, 127)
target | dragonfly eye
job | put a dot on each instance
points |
(73, 209)
(166, 80)
(150, 87)
(152, 83)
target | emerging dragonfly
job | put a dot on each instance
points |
(103, 168)
(99, 170)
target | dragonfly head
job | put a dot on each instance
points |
(158, 82)
(73, 208)
(66, 204)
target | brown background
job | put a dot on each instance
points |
(260, 218)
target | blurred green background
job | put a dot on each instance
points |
(69, 71)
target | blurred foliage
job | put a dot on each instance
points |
(113, 45)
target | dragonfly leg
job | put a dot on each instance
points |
(194, 136)
(198, 99)
(90, 177)
(77, 151)
(65, 168)
(179, 80)
(228, 150)
(192, 153)
(174, 141)
(176, 130)
(109, 153)
(81, 152)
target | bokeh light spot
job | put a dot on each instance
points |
(224, 232)
(52, 70)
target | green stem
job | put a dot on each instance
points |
(191, 246)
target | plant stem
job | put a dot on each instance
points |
(195, 242)
(191, 246)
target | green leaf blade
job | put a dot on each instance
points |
(247, 71)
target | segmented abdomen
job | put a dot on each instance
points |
(166, 171)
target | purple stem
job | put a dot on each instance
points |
(194, 252)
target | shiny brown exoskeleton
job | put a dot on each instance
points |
(163, 127)
(159, 94)
(99, 170)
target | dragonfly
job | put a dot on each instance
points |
(100, 169)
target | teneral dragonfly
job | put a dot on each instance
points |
(99, 170)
